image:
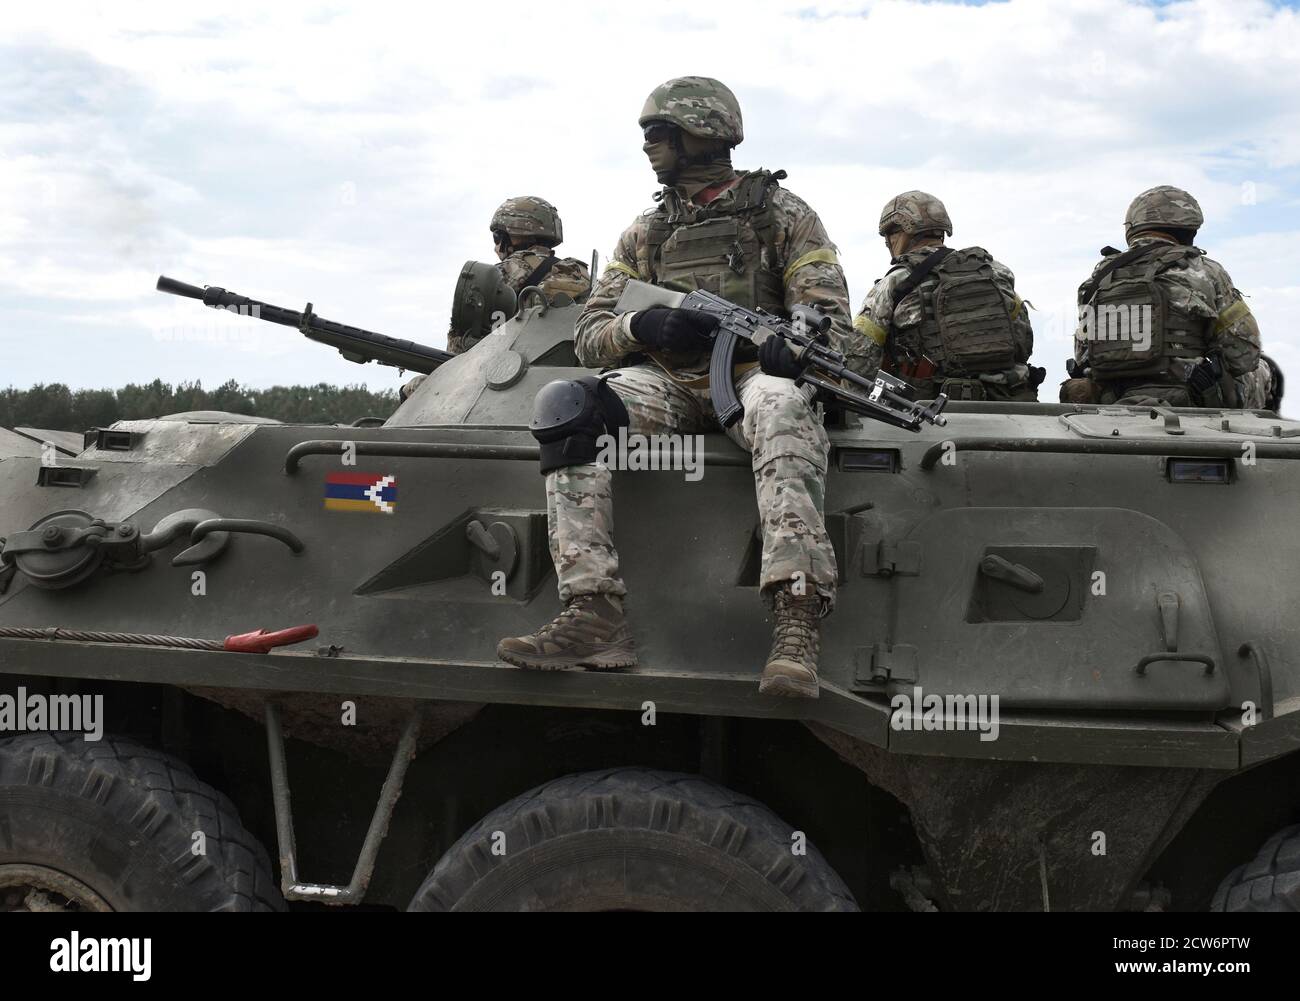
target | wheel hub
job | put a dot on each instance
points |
(40, 888)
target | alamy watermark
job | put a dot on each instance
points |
(216, 331)
(32, 712)
(1128, 322)
(643, 452)
(921, 711)
(75, 954)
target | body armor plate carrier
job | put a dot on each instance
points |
(966, 321)
(730, 253)
(1128, 320)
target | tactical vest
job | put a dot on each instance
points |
(966, 321)
(540, 272)
(1135, 330)
(726, 249)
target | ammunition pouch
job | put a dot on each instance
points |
(569, 415)
(963, 389)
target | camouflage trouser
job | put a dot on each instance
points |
(789, 447)
(1252, 392)
(1256, 386)
(1015, 385)
(458, 344)
(1133, 394)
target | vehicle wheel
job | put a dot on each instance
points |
(109, 825)
(631, 839)
(1270, 883)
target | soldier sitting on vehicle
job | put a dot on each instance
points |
(525, 232)
(1161, 323)
(946, 320)
(742, 236)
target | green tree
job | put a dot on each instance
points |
(55, 407)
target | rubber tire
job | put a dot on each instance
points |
(632, 839)
(119, 817)
(1271, 882)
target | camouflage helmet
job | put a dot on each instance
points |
(915, 212)
(700, 105)
(1164, 207)
(527, 216)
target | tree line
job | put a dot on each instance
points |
(56, 407)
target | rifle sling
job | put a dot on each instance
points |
(1093, 285)
(540, 272)
(919, 273)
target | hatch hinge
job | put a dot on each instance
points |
(881, 558)
(882, 664)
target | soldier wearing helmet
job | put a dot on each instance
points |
(1161, 323)
(525, 232)
(742, 236)
(945, 320)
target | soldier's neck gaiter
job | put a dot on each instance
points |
(674, 168)
(695, 177)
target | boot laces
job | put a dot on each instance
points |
(579, 606)
(797, 634)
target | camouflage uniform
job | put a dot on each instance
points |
(880, 322)
(1206, 315)
(567, 275)
(1255, 387)
(524, 218)
(904, 337)
(1200, 287)
(790, 449)
(760, 246)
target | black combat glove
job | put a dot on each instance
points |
(1205, 376)
(776, 358)
(664, 329)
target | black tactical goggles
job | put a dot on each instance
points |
(659, 132)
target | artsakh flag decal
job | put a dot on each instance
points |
(372, 492)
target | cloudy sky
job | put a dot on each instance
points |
(351, 154)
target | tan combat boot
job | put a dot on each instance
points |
(591, 632)
(796, 640)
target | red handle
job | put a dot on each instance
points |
(260, 641)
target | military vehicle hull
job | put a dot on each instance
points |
(1109, 586)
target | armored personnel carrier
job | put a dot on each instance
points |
(1062, 673)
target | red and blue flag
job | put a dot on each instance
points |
(375, 493)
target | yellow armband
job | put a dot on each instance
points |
(1237, 311)
(823, 255)
(620, 266)
(867, 328)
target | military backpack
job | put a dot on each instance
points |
(1128, 319)
(966, 322)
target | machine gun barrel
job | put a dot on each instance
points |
(353, 343)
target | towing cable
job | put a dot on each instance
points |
(258, 641)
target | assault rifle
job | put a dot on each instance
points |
(883, 399)
(353, 343)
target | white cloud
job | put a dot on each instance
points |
(353, 156)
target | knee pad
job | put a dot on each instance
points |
(570, 414)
